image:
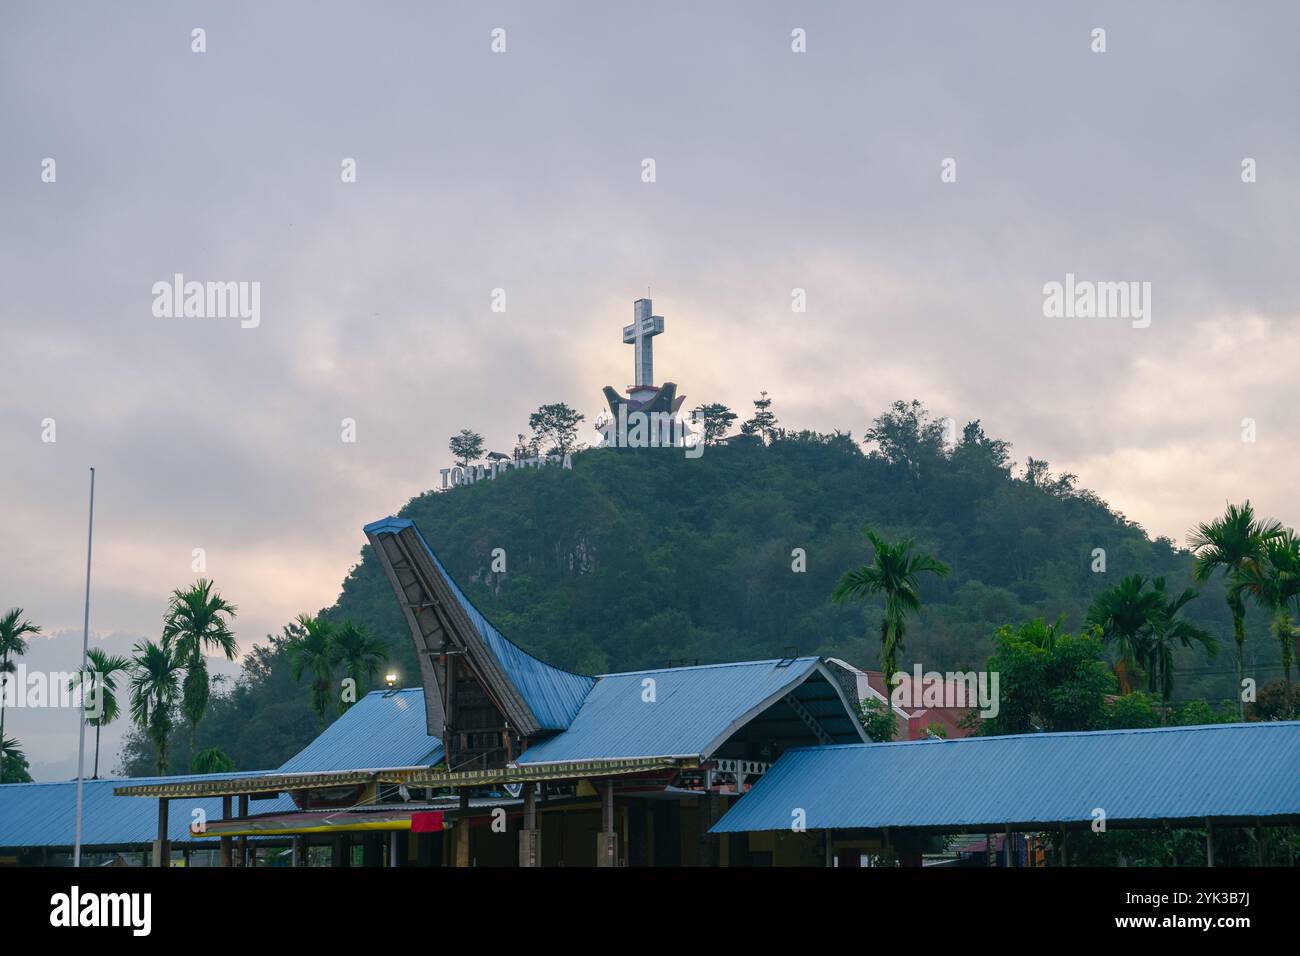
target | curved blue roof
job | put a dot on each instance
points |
(692, 710)
(382, 729)
(553, 695)
(1167, 773)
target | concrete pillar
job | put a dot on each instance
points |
(372, 850)
(708, 815)
(530, 838)
(1209, 843)
(241, 854)
(460, 832)
(607, 839)
(226, 842)
(162, 846)
(911, 848)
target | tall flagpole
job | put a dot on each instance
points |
(85, 651)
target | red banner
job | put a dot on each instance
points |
(430, 822)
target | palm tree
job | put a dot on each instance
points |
(13, 762)
(212, 760)
(359, 654)
(103, 688)
(1167, 630)
(1226, 544)
(155, 685)
(894, 572)
(13, 633)
(198, 620)
(1273, 579)
(312, 649)
(1041, 634)
(1145, 627)
(1125, 614)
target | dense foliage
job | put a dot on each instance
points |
(635, 557)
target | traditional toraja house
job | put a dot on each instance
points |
(522, 762)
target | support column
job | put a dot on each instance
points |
(162, 846)
(708, 815)
(1209, 843)
(242, 845)
(911, 849)
(1012, 859)
(607, 839)
(227, 843)
(461, 831)
(530, 838)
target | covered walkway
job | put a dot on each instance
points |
(1241, 775)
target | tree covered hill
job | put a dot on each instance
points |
(637, 557)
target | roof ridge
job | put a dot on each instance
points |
(460, 592)
(1054, 734)
(134, 780)
(699, 667)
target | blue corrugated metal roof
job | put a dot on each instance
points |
(693, 707)
(43, 814)
(1220, 770)
(552, 694)
(382, 729)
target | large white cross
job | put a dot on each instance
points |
(644, 327)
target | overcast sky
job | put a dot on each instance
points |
(522, 170)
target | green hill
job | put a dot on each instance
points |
(637, 557)
(634, 558)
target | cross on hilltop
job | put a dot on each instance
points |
(639, 334)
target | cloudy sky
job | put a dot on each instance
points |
(523, 170)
